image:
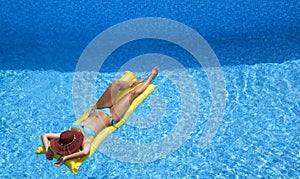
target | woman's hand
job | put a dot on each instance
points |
(49, 154)
(60, 161)
(45, 140)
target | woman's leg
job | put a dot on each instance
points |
(109, 96)
(120, 108)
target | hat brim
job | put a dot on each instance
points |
(71, 148)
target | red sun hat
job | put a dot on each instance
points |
(68, 142)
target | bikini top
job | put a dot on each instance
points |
(88, 131)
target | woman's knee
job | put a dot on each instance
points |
(115, 84)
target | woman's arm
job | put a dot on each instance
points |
(45, 140)
(86, 146)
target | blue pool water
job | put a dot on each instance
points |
(258, 137)
(258, 46)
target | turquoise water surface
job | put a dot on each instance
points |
(258, 135)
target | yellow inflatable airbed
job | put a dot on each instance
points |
(74, 164)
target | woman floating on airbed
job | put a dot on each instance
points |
(106, 112)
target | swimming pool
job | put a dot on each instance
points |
(258, 47)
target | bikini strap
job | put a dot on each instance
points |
(113, 123)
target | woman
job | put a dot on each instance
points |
(105, 112)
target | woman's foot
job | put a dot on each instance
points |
(154, 73)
